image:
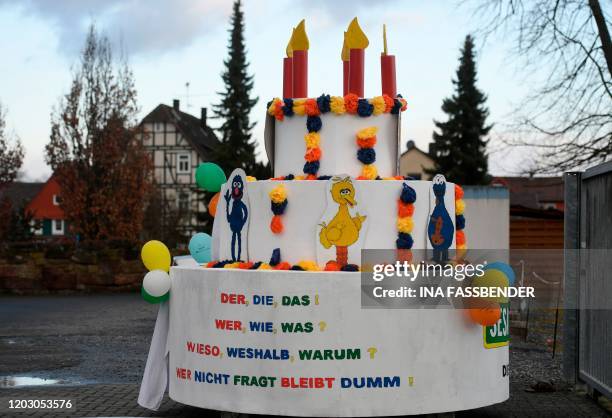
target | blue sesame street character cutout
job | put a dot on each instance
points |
(440, 229)
(238, 215)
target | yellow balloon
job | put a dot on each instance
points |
(492, 278)
(155, 256)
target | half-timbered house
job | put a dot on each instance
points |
(178, 143)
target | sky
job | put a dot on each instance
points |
(171, 43)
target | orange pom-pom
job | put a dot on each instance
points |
(282, 266)
(460, 238)
(398, 178)
(245, 265)
(351, 101)
(311, 108)
(332, 266)
(313, 154)
(404, 104)
(311, 177)
(210, 264)
(458, 192)
(278, 110)
(276, 225)
(404, 209)
(404, 254)
(361, 178)
(389, 103)
(366, 142)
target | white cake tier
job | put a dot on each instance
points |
(307, 203)
(338, 144)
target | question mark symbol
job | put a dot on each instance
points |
(322, 326)
(372, 351)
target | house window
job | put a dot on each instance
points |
(183, 163)
(183, 202)
(56, 200)
(36, 226)
(58, 227)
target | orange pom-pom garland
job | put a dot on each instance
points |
(278, 204)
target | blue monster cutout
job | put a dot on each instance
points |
(238, 215)
(440, 229)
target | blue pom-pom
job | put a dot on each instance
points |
(279, 208)
(404, 241)
(313, 124)
(350, 267)
(275, 259)
(221, 264)
(397, 106)
(296, 268)
(364, 108)
(460, 222)
(311, 167)
(408, 194)
(324, 177)
(366, 155)
(288, 107)
(323, 102)
(255, 266)
(409, 178)
(289, 177)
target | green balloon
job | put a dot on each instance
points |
(210, 177)
(152, 299)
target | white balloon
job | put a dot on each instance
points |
(156, 283)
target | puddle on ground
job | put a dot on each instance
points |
(20, 381)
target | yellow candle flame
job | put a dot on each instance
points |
(289, 49)
(355, 38)
(345, 54)
(300, 39)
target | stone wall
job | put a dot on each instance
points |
(36, 274)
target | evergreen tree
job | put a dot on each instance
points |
(459, 148)
(237, 148)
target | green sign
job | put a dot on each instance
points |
(498, 335)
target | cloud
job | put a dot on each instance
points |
(143, 26)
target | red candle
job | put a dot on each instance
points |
(300, 74)
(300, 47)
(387, 69)
(287, 77)
(356, 43)
(356, 70)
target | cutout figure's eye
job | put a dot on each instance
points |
(345, 191)
(236, 184)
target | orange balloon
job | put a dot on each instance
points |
(486, 313)
(212, 205)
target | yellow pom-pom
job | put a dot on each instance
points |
(264, 266)
(367, 132)
(309, 265)
(312, 139)
(379, 105)
(337, 105)
(405, 225)
(272, 107)
(369, 171)
(300, 177)
(278, 194)
(231, 265)
(459, 207)
(251, 178)
(462, 247)
(298, 107)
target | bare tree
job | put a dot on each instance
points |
(567, 117)
(11, 153)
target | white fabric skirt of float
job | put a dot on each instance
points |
(299, 343)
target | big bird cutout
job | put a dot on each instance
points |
(342, 229)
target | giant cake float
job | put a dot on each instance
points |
(274, 324)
